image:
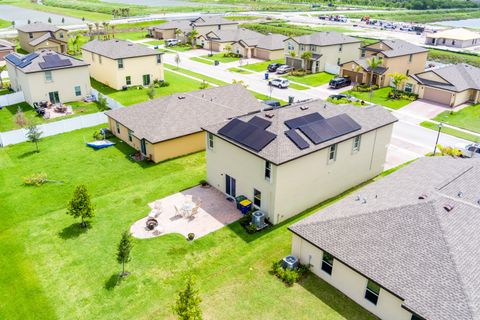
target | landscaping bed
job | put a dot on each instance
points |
(239, 70)
(221, 57)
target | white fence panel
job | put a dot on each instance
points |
(112, 104)
(332, 68)
(12, 98)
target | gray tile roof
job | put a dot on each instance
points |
(188, 24)
(35, 67)
(234, 35)
(325, 38)
(118, 49)
(269, 42)
(400, 48)
(282, 149)
(175, 24)
(37, 26)
(460, 77)
(185, 113)
(414, 248)
(364, 64)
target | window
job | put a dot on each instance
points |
(130, 135)
(61, 35)
(128, 80)
(409, 87)
(408, 72)
(99, 59)
(120, 63)
(444, 40)
(78, 91)
(290, 46)
(410, 58)
(356, 144)
(268, 170)
(30, 35)
(159, 58)
(219, 27)
(453, 42)
(338, 61)
(302, 47)
(340, 48)
(257, 197)
(117, 125)
(48, 76)
(93, 57)
(372, 292)
(210, 140)
(332, 153)
(327, 262)
(146, 79)
(363, 53)
(312, 47)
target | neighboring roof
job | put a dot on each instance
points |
(118, 49)
(211, 20)
(455, 34)
(45, 37)
(414, 248)
(282, 149)
(38, 26)
(5, 45)
(186, 25)
(43, 60)
(397, 48)
(269, 42)
(185, 113)
(460, 77)
(175, 24)
(234, 35)
(364, 64)
(325, 39)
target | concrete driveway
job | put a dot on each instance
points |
(425, 108)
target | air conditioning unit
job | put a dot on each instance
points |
(258, 220)
(290, 262)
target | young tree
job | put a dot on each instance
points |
(90, 31)
(123, 252)
(34, 135)
(80, 205)
(397, 80)
(177, 59)
(227, 49)
(306, 56)
(373, 63)
(13, 24)
(2, 69)
(203, 85)
(20, 118)
(293, 54)
(49, 20)
(192, 35)
(187, 306)
(102, 102)
(151, 92)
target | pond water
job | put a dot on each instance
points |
(21, 16)
(158, 3)
(467, 23)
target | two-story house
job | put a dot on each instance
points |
(46, 75)
(121, 63)
(289, 159)
(394, 55)
(328, 51)
(38, 35)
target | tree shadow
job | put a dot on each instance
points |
(73, 231)
(27, 154)
(112, 282)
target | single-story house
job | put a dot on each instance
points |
(266, 47)
(5, 48)
(406, 247)
(456, 38)
(451, 85)
(288, 159)
(38, 35)
(171, 126)
(218, 39)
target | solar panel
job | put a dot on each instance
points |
(22, 62)
(328, 129)
(247, 134)
(297, 139)
(54, 61)
(259, 122)
(295, 123)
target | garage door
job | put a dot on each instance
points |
(437, 95)
(215, 46)
(262, 54)
(354, 76)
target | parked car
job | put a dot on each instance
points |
(272, 67)
(343, 96)
(339, 82)
(284, 69)
(272, 103)
(279, 83)
(171, 42)
(469, 150)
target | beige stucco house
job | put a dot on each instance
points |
(46, 75)
(38, 35)
(289, 159)
(456, 38)
(6, 48)
(451, 85)
(405, 247)
(329, 50)
(171, 126)
(396, 56)
(121, 63)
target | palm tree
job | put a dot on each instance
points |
(306, 56)
(97, 30)
(397, 80)
(293, 54)
(112, 27)
(373, 64)
(177, 33)
(356, 69)
(114, 13)
(192, 36)
(90, 28)
(104, 24)
(76, 42)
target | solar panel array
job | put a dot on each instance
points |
(22, 62)
(247, 134)
(293, 135)
(328, 129)
(296, 123)
(259, 122)
(54, 61)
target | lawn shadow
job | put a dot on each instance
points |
(112, 282)
(27, 154)
(73, 231)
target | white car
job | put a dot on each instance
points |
(279, 83)
(469, 150)
(171, 42)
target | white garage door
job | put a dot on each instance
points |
(437, 95)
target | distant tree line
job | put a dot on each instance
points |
(410, 4)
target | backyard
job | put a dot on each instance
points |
(380, 96)
(312, 79)
(52, 269)
(467, 118)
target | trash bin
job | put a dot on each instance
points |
(217, 62)
(245, 206)
(266, 75)
(238, 199)
(290, 99)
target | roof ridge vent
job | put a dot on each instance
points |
(448, 207)
(423, 196)
(269, 115)
(460, 194)
(181, 97)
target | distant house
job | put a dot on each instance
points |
(38, 35)
(456, 38)
(395, 55)
(289, 159)
(406, 247)
(5, 49)
(451, 85)
(46, 75)
(121, 63)
(218, 39)
(171, 126)
(181, 28)
(329, 50)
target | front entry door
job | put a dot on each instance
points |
(230, 186)
(146, 79)
(143, 147)
(54, 97)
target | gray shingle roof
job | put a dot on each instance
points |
(6, 45)
(211, 20)
(364, 64)
(171, 117)
(325, 38)
(412, 247)
(400, 48)
(118, 49)
(37, 26)
(35, 67)
(269, 42)
(282, 149)
(187, 24)
(45, 37)
(234, 35)
(460, 76)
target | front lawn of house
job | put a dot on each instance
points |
(312, 79)
(155, 42)
(196, 74)
(220, 57)
(52, 269)
(380, 96)
(179, 48)
(451, 131)
(467, 118)
(239, 70)
(261, 66)
(132, 35)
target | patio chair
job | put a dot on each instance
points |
(177, 212)
(189, 197)
(194, 211)
(46, 115)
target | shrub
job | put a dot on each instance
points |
(289, 277)
(36, 179)
(191, 236)
(402, 95)
(164, 84)
(365, 87)
(251, 228)
(246, 219)
(231, 55)
(299, 73)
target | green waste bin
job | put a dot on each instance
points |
(290, 99)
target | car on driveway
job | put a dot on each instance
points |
(339, 82)
(284, 69)
(343, 96)
(279, 83)
(469, 150)
(171, 42)
(272, 67)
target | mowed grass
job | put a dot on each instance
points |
(380, 96)
(261, 66)
(196, 74)
(5, 24)
(239, 70)
(51, 269)
(220, 57)
(313, 79)
(202, 60)
(133, 35)
(467, 118)
(451, 131)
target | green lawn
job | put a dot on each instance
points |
(198, 59)
(196, 75)
(179, 48)
(445, 56)
(466, 118)
(178, 83)
(51, 269)
(380, 97)
(243, 18)
(5, 24)
(155, 42)
(261, 66)
(239, 70)
(313, 79)
(261, 96)
(297, 86)
(138, 25)
(220, 57)
(451, 131)
(4, 91)
(133, 35)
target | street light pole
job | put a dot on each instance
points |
(440, 125)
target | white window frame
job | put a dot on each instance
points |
(159, 58)
(357, 141)
(130, 135)
(120, 64)
(332, 150)
(268, 168)
(408, 87)
(255, 198)
(210, 140)
(48, 76)
(79, 91)
(117, 127)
